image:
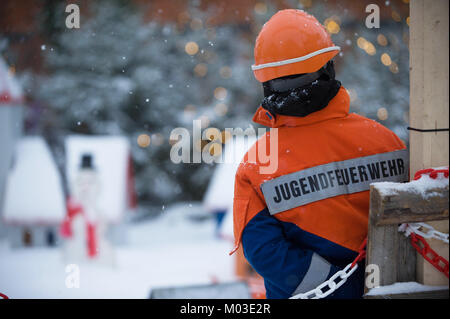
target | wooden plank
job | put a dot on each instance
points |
(387, 248)
(392, 206)
(435, 294)
(429, 93)
(392, 253)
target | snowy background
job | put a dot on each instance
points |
(139, 69)
(172, 250)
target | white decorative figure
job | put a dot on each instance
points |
(87, 225)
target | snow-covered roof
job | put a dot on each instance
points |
(10, 90)
(33, 193)
(110, 159)
(220, 192)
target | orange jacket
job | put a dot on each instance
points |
(326, 136)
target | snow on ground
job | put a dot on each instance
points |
(173, 249)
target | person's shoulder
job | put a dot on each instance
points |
(377, 129)
(250, 162)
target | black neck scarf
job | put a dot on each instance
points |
(289, 96)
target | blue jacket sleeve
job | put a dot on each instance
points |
(287, 269)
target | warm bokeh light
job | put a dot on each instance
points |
(225, 72)
(407, 21)
(366, 46)
(143, 140)
(306, 3)
(382, 114)
(201, 69)
(190, 110)
(393, 67)
(204, 121)
(260, 8)
(220, 93)
(332, 26)
(386, 59)
(183, 17)
(191, 48)
(381, 39)
(221, 109)
(196, 24)
(396, 16)
(157, 139)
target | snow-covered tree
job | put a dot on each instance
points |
(120, 75)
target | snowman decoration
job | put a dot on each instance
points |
(84, 227)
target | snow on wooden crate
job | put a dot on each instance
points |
(33, 192)
(403, 288)
(111, 160)
(423, 186)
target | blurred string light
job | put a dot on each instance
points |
(382, 40)
(204, 121)
(12, 70)
(332, 24)
(220, 93)
(396, 16)
(221, 109)
(184, 17)
(189, 111)
(260, 8)
(366, 46)
(157, 139)
(393, 68)
(305, 3)
(382, 114)
(386, 59)
(191, 48)
(225, 72)
(143, 140)
(201, 69)
(196, 24)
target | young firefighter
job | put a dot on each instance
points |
(307, 220)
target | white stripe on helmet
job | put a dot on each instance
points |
(294, 60)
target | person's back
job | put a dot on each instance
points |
(306, 220)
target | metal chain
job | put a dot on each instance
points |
(332, 284)
(335, 281)
(430, 232)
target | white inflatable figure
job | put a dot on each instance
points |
(88, 227)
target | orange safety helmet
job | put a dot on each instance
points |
(291, 42)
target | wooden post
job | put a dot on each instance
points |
(390, 249)
(429, 104)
